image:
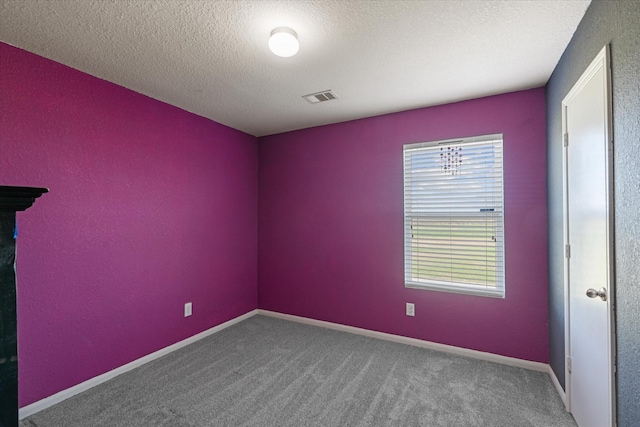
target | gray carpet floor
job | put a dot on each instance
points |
(270, 372)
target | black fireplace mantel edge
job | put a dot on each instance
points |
(14, 199)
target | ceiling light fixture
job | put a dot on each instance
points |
(284, 42)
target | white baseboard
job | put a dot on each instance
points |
(556, 383)
(496, 358)
(86, 385)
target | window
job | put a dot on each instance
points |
(453, 216)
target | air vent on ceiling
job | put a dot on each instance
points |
(316, 98)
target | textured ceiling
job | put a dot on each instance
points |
(212, 57)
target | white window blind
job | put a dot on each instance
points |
(453, 216)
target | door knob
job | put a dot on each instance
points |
(602, 293)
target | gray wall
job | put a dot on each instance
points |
(616, 23)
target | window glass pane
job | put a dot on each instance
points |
(453, 205)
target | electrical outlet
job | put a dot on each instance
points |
(188, 309)
(411, 309)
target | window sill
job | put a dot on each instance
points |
(459, 289)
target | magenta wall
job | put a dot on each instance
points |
(331, 229)
(150, 207)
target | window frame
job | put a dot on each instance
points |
(495, 291)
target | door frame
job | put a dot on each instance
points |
(601, 61)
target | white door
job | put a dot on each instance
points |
(588, 234)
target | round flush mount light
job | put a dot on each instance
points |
(284, 42)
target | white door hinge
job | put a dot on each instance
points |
(566, 140)
(569, 364)
(567, 251)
